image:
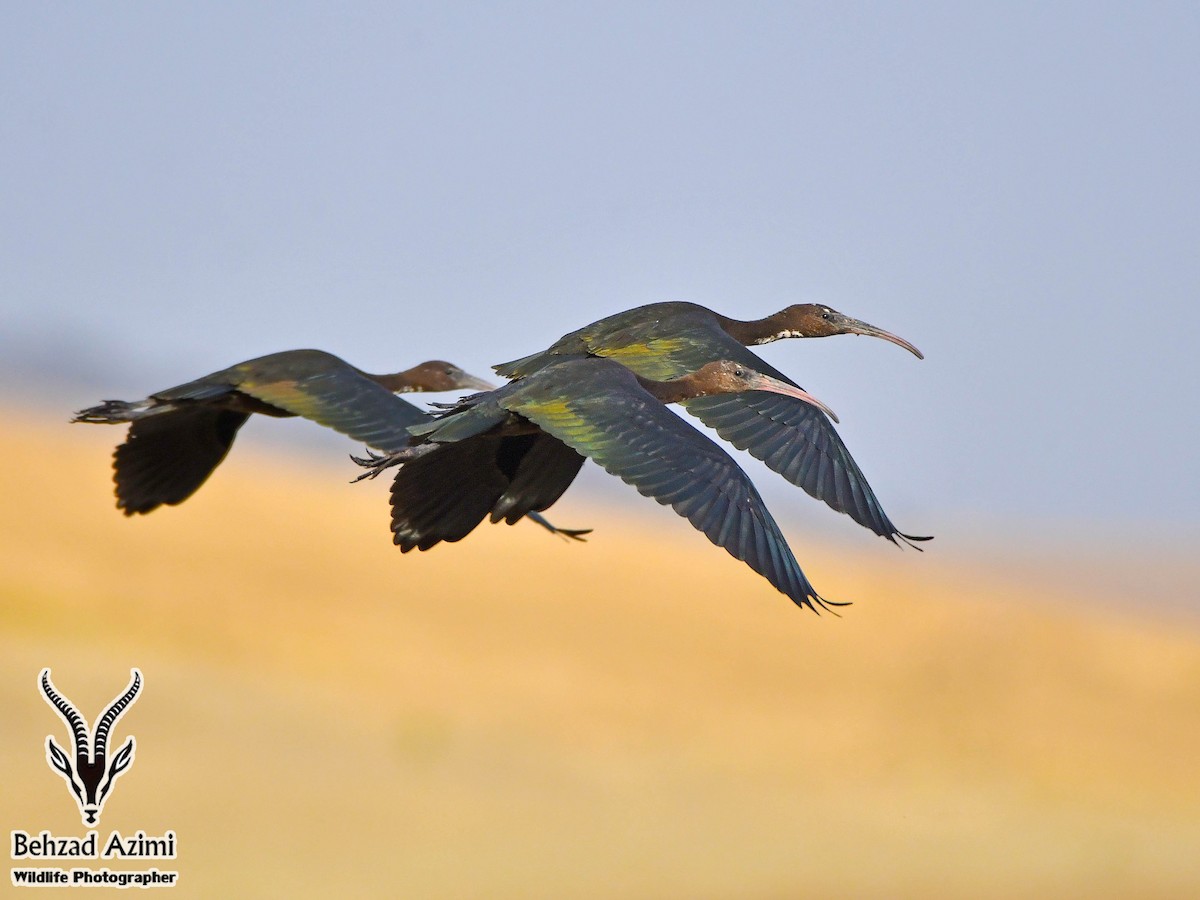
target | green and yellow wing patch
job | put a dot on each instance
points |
(610, 418)
(345, 400)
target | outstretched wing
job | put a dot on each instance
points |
(612, 419)
(799, 442)
(445, 494)
(168, 455)
(544, 468)
(793, 438)
(340, 397)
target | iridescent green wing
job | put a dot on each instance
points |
(793, 438)
(647, 340)
(790, 436)
(332, 393)
(611, 419)
(799, 442)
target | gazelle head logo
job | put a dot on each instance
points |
(92, 776)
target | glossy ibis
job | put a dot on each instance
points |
(665, 340)
(516, 449)
(177, 437)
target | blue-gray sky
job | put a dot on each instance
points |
(1014, 187)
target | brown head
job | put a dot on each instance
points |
(728, 377)
(810, 320)
(434, 375)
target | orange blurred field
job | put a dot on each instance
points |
(517, 716)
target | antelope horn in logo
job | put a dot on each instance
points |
(92, 776)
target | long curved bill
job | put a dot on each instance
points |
(761, 382)
(857, 326)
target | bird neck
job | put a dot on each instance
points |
(758, 331)
(396, 382)
(673, 391)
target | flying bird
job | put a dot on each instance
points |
(515, 450)
(795, 439)
(177, 437)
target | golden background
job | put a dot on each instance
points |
(518, 716)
